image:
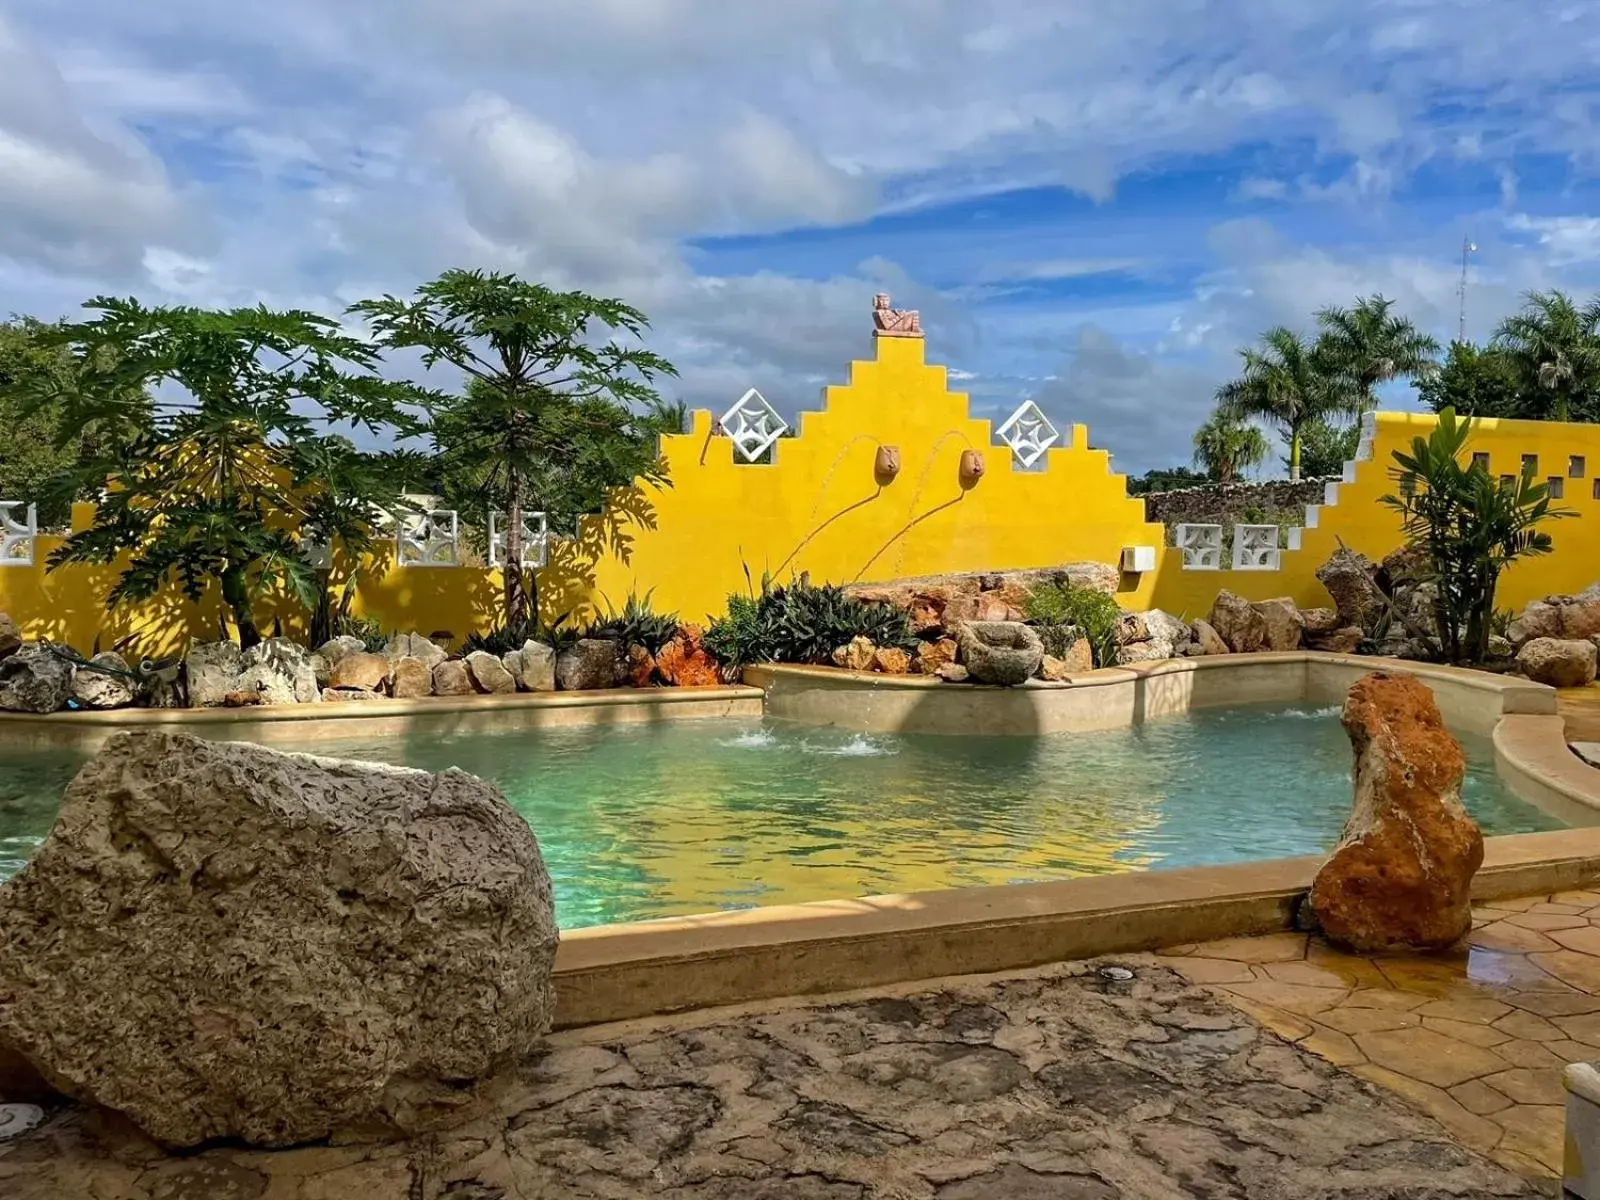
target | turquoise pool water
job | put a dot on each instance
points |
(694, 816)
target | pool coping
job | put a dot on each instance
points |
(677, 964)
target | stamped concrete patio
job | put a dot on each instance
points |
(1067, 1083)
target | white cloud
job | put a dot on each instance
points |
(1566, 239)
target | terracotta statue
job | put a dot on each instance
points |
(886, 465)
(891, 322)
(971, 468)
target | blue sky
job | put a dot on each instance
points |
(1092, 204)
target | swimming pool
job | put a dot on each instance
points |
(684, 817)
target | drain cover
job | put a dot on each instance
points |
(17, 1119)
(1116, 974)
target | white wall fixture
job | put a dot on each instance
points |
(1138, 559)
(754, 425)
(19, 528)
(1029, 434)
(1255, 548)
(428, 539)
(1201, 546)
(535, 539)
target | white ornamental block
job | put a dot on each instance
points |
(1029, 434)
(535, 539)
(19, 529)
(1201, 546)
(754, 425)
(429, 539)
(1137, 560)
(1255, 548)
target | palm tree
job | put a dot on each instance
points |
(1290, 383)
(1371, 345)
(1554, 346)
(1225, 448)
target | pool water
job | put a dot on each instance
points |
(687, 817)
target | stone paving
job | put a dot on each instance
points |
(1068, 1083)
(1477, 1039)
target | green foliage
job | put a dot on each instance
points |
(1474, 381)
(32, 374)
(1325, 446)
(1290, 383)
(1368, 344)
(1553, 348)
(373, 638)
(503, 639)
(802, 623)
(1225, 447)
(1063, 613)
(636, 625)
(551, 416)
(210, 425)
(1471, 526)
(1165, 479)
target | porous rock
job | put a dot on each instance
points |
(641, 667)
(301, 945)
(857, 655)
(930, 656)
(1131, 628)
(1053, 669)
(1006, 653)
(891, 661)
(1349, 579)
(1079, 656)
(533, 667)
(110, 687)
(1168, 629)
(589, 664)
(213, 671)
(953, 673)
(489, 674)
(328, 655)
(414, 645)
(333, 695)
(1339, 641)
(35, 680)
(367, 672)
(10, 637)
(1282, 621)
(281, 671)
(1316, 621)
(410, 679)
(1238, 623)
(451, 678)
(1401, 875)
(1558, 662)
(1207, 639)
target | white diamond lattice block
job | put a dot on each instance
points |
(1201, 546)
(754, 425)
(1029, 434)
(19, 527)
(429, 539)
(535, 539)
(1255, 548)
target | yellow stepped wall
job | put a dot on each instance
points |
(818, 508)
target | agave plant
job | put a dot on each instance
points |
(636, 625)
(802, 623)
(1471, 525)
(503, 640)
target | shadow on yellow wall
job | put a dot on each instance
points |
(825, 506)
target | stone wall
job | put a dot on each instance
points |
(1226, 503)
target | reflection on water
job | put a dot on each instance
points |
(681, 818)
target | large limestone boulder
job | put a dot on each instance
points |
(1006, 653)
(34, 680)
(363, 671)
(1401, 876)
(414, 645)
(299, 945)
(451, 678)
(1238, 623)
(213, 672)
(533, 667)
(1207, 640)
(328, 655)
(281, 671)
(1282, 618)
(1559, 662)
(109, 686)
(1168, 630)
(1338, 641)
(589, 664)
(1349, 578)
(1569, 617)
(410, 679)
(489, 674)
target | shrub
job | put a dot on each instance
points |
(498, 642)
(636, 625)
(1063, 613)
(802, 623)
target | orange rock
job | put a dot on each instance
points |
(891, 661)
(684, 662)
(1401, 875)
(931, 656)
(641, 667)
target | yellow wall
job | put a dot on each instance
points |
(818, 508)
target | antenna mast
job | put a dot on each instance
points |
(1467, 247)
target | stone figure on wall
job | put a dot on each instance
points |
(891, 322)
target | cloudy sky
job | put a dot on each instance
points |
(1092, 202)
